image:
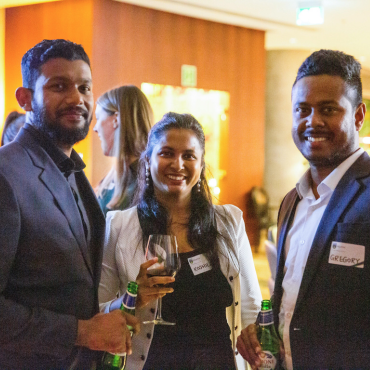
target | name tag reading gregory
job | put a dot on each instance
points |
(346, 254)
(199, 264)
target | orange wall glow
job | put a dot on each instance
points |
(25, 26)
(132, 44)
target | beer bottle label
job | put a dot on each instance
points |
(266, 318)
(129, 301)
(268, 361)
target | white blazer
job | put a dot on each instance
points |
(123, 255)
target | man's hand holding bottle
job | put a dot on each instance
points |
(107, 332)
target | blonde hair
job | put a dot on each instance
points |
(136, 119)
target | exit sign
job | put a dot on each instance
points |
(188, 75)
(310, 13)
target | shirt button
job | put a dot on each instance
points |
(142, 357)
(152, 310)
(236, 327)
(149, 335)
(231, 278)
(301, 242)
(236, 353)
(236, 303)
(288, 315)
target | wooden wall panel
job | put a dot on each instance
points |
(134, 44)
(25, 26)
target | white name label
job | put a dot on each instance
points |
(268, 361)
(346, 254)
(199, 264)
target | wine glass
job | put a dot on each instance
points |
(165, 248)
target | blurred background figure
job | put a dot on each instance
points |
(123, 120)
(12, 125)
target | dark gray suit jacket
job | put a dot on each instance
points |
(48, 275)
(330, 327)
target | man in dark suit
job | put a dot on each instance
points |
(322, 289)
(51, 228)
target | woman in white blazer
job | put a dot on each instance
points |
(210, 308)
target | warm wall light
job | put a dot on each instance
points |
(216, 191)
(365, 140)
(212, 182)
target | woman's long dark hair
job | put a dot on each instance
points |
(153, 217)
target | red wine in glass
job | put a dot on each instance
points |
(164, 247)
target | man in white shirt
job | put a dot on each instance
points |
(322, 288)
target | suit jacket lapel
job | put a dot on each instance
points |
(343, 194)
(54, 180)
(287, 211)
(97, 223)
(67, 205)
(285, 219)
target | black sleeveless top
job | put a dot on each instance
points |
(197, 306)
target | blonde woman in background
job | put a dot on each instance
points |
(123, 120)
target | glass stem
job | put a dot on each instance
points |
(159, 310)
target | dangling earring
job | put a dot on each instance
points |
(198, 185)
(147, 176)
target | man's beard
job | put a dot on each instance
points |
(55, 130)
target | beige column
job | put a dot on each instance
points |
(283, 162)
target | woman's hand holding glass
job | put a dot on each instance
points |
(151, 288)
(164, 251)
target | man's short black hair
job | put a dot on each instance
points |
(43, 52)
(333, 63)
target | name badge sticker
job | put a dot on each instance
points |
(199, 264)
(345, 254)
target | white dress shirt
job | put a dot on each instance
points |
(299, 241)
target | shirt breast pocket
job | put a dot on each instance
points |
(353, 233)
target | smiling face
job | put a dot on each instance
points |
(325, 122)
(62, 101)
(106, 127)
(176, 164)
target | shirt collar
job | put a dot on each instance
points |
(303, 186)
(66, 164)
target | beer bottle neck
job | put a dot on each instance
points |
(265, 305)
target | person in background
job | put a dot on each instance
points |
(123, 120)
(52, 228)
(209, 308)
(13, 123)
(322, 287)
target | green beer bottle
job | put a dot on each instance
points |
(267, 337)
(111, 361)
